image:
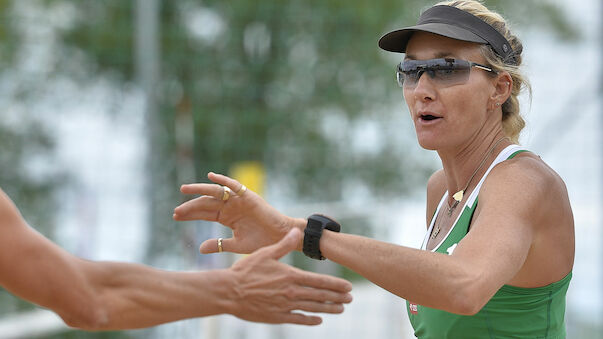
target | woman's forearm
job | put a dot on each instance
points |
(427, 277)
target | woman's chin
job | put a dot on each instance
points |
(428, 144)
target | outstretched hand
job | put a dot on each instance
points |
(253, 221)
(270, 291)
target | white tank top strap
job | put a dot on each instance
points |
(502, 156)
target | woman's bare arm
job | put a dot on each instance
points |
(490, 256)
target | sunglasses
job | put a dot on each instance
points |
(444, 72)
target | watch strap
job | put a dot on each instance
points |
(313, 232)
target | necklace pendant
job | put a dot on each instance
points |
(435, 232)
(458, 196)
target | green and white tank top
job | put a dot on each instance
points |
(513, 312)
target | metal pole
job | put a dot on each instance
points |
(146, 61)
(146, 49)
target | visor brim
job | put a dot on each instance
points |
(397, 40)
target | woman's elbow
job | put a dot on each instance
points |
(90, 318)
(467, 305)
(467, 295)
(469, 299)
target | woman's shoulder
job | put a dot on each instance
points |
(526, 166)
(526, 175)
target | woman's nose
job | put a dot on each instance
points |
(424, 89)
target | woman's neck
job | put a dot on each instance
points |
(462, 165)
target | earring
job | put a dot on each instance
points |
(498, 104)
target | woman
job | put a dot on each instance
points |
(499, 248)
(112, 295)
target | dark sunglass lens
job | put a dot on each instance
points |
(409, 72)
(452, 72)
(445, 71)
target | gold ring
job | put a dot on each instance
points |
(226, 193)
(220, 249)
(242, 190)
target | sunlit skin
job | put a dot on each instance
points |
(95, 295)
(464, 128)
(465, 131)
(522, 230)
(462, 122)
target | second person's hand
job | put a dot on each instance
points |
(269, 291)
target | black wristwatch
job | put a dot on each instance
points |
(313, 232)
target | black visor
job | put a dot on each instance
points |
(453, 23)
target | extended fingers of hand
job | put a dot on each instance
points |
(231, 183)
(213, 190)
(321, 281)
(213, 246)
(318, 307)
(296, 292)
(296, 318)
(205, 207)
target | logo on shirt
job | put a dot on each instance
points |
(413, 308)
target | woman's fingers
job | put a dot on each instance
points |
(196, 215)
(212, 190)
(212, 246)
(221, 179)
(205, 206)
(213, 196)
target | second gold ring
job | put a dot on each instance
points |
(242, 190)
(225, 193)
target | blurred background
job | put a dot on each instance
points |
(109, 106)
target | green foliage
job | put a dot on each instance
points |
(7, 36)
(34, 195)
(286, 83)
(262, 88)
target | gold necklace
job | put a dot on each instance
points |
(458, 196)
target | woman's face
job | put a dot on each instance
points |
(449, 116)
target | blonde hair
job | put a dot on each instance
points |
(512, 120)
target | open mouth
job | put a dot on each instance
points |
(428, 117)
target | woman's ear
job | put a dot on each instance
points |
(502, 88)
